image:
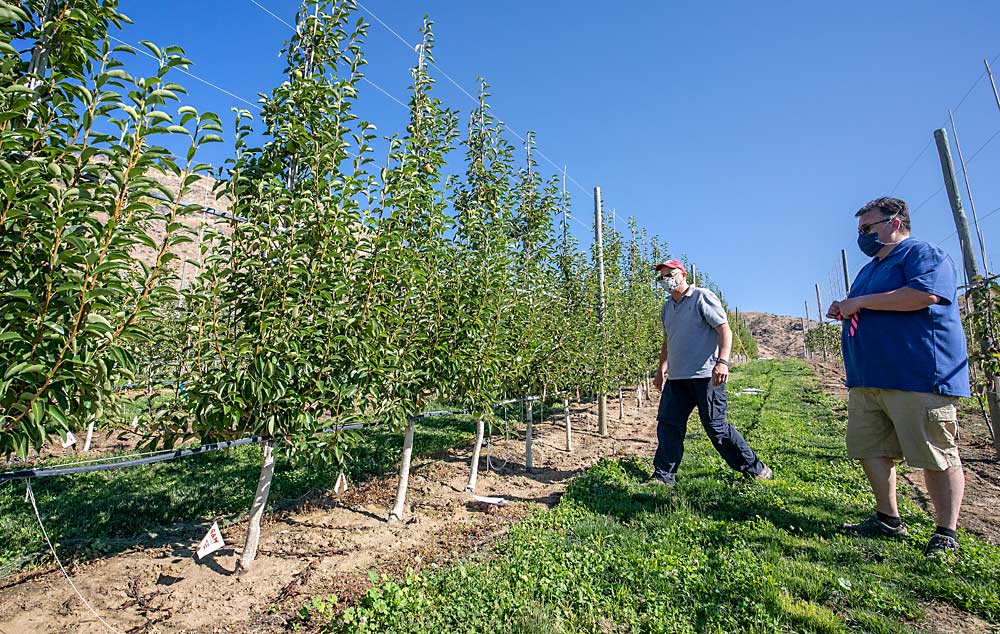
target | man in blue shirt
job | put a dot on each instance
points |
(905, 355)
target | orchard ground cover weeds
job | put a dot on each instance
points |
(716, 553)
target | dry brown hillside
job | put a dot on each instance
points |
(777, 336)
(201, 194)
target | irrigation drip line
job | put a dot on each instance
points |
(28, 474)
(102, 464)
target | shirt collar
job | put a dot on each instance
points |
(688, 293)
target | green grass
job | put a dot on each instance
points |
(101, 513)
(715, 554)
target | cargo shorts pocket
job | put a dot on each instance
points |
(942, 424)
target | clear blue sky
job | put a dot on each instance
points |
(744, 134)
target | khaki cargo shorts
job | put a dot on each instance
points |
(917, 426)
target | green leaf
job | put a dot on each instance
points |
(10, 13)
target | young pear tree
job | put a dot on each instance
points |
(81, 265)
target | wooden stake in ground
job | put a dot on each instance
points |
(805, 329)
(602, 402)
(474, 470)
(971, 271)
(396, 514)
(819, 309)
(847, 279)
(257, 508)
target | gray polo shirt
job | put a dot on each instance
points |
(689, 326)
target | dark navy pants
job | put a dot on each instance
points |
(678, 399)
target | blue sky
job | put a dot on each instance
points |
(744, 134)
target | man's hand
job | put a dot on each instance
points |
(834, 311)
(720, 374)
(658, 380)
(849, 307)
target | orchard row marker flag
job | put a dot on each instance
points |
(212, 542)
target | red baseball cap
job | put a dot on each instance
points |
(671, 264)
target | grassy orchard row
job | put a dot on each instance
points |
(716, 553)
(355, 288)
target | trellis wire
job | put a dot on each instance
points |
(38, 516)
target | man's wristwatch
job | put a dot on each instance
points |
(722, 361)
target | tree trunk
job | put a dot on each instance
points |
(404, 474)
(257, 508)
(474, 471)
(621, 404)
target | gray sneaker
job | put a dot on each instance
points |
(938, 544)
(874, 527)
(655, 479)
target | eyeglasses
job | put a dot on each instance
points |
(868, 228)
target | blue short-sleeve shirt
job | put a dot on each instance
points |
(917, 351)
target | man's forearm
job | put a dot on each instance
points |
(725, 341)
(902, 300)
(663, 357)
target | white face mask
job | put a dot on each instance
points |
(669, 283)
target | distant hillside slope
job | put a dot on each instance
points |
(777, 336)
(201, 194)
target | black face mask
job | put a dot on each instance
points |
(869, 243)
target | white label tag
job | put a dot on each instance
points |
(70, 440)
(341, 486)
(212, 542)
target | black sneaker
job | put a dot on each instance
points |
(874, 527)
(938, 544)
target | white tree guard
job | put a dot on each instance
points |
(569, 426)
(529, 462)
(404, 474)
(474, 470)
(257, 508)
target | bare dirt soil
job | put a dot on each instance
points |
(325, 546)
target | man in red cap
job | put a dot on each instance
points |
(694, 367)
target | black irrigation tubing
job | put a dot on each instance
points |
(28, 474)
